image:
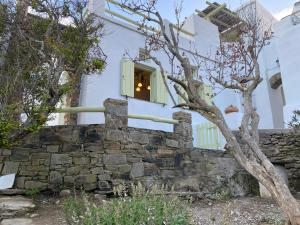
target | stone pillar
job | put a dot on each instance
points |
(116, 113)
(184, 129)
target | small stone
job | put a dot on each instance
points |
(104, 186)
(65, 193)
(34, 215)
(52, 148)
(172, 143)
(100, 197)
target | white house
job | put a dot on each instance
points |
(142, 86)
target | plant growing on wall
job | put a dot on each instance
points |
(234, 66)
(295, 123)
(39, 41)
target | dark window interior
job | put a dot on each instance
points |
(142, 84)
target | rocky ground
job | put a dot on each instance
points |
(243, 211)
(45, 210)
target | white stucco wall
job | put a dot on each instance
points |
(118, 39)
(288, 45)
(121, 37)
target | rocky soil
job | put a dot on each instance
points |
(45, 210)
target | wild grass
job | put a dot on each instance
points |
(142, 207)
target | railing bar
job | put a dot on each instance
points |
(79, 109)
(130, 20)
(131, 10)
(152, 118)
(143, 15)
(102, 109)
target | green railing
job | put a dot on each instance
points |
(102, 110)
(122, 17)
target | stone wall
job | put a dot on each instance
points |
(283, 148)
(99, 157)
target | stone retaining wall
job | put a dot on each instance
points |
(283, 148)
(99, 157)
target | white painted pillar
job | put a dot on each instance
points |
(288, 46)
(97, 7)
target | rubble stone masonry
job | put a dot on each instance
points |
(99, 157)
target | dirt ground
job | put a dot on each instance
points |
(241, 211)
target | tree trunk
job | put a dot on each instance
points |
(72, 100)
(259, 166)
(265, 172)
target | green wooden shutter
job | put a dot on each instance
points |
(206, 93)
(159, 91)
(208, 136)
(127, 78)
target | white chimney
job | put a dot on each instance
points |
(296, 8)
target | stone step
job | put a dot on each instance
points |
(13, 206)
(17, 221)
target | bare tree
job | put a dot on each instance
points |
(38, 44)
(234, 66)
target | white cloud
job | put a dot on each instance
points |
(283, 13)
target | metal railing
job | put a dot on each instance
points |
(102, 110)
(120, 16)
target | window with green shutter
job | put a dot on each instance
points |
(159, 91)
(127, 78)
(209, 136)
(142, 82)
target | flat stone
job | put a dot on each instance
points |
(139, 137)
(35, 184)
(103, 177)
(15, 206)
(165, 153)
(21, 155)
(114, 159)
(12, 192)
(137, 170)
(52, 148)
(55, 178)
(10, 167)
(17, 221)
(60, 159)
(172, 143)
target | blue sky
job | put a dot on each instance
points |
(279, 8)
